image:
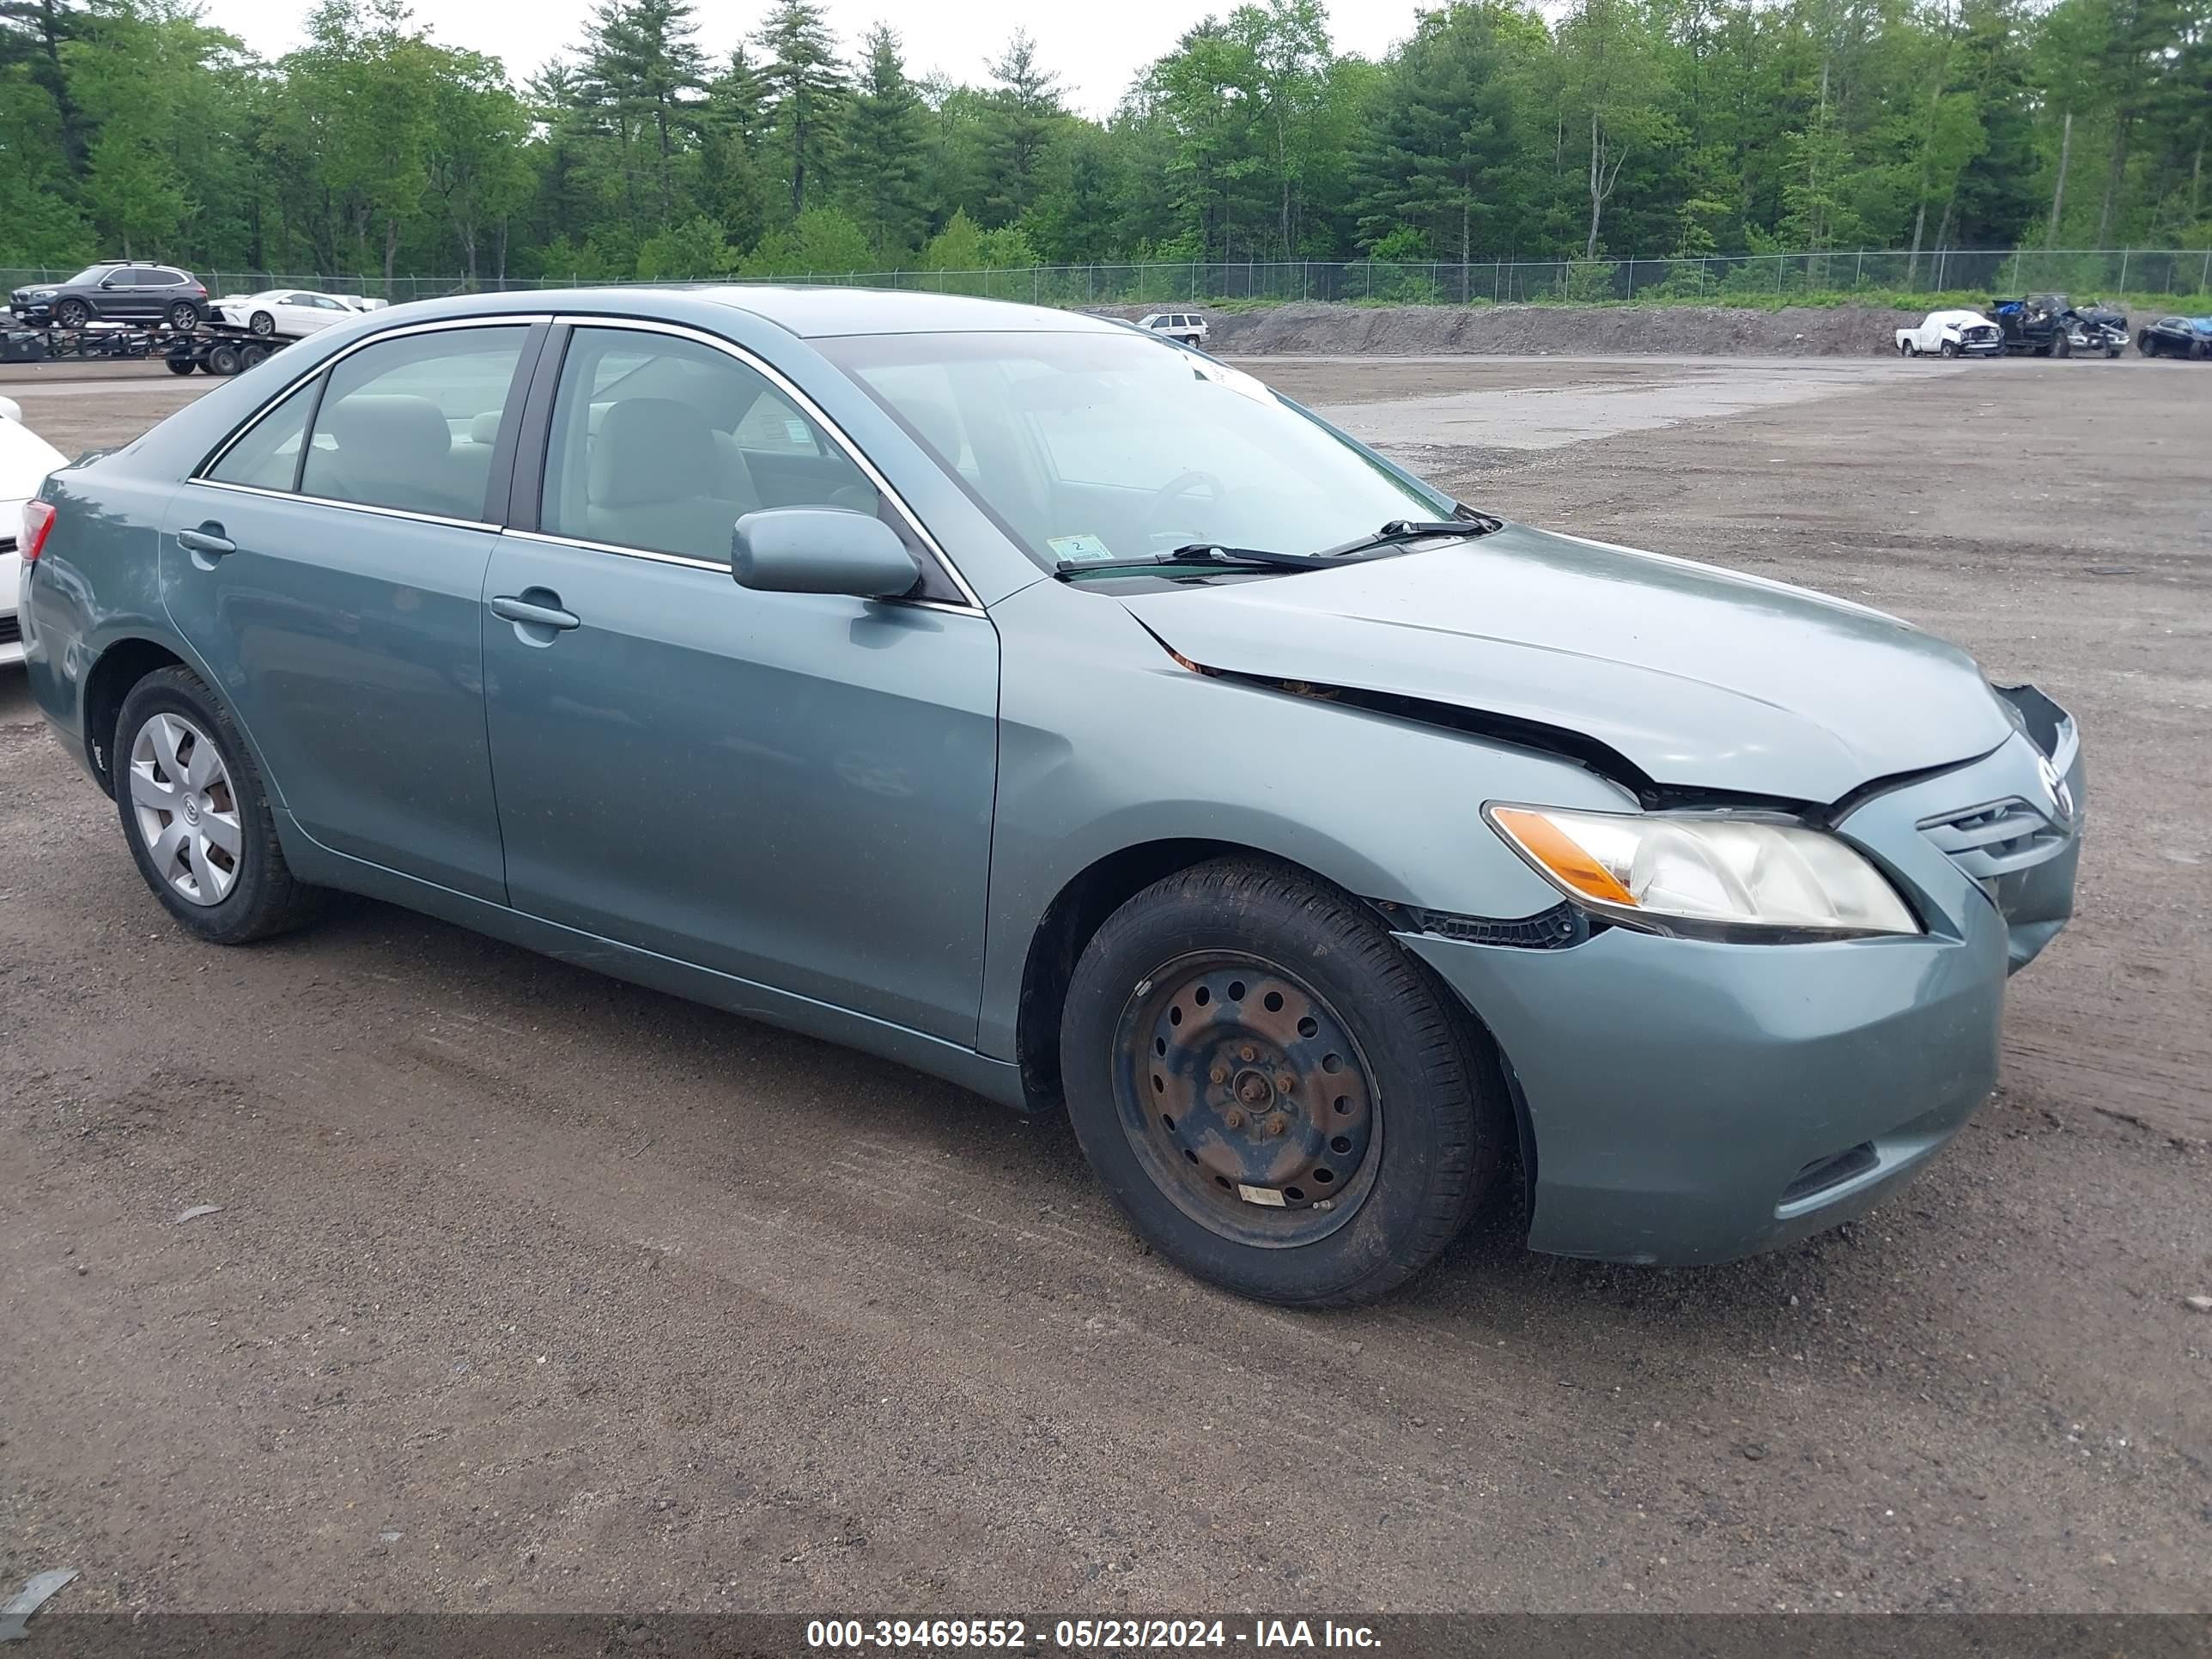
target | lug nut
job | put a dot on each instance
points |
(1219, 1074)
(1285, 1082)
(1233, 1118)
(1277, 1124)
(1248, 1052)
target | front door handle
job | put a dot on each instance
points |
(206, 545)
(530, 609)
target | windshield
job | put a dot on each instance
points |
(91, 275)
(1096, 448)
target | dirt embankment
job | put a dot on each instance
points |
(1419, 330)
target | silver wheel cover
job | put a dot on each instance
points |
(186, 808)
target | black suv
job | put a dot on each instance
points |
(115, 290)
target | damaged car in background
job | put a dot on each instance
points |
(1951, 334)
(1067, 714)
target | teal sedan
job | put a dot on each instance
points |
(1052, 707)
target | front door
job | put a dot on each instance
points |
(333, 579)
(794, 789)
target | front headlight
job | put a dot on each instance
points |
(42, 294)
(1706, 877)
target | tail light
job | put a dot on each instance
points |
(37, 520)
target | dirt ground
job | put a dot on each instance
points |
(529, 1290)
(1398, 330)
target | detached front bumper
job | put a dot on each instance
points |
(1691, 1102)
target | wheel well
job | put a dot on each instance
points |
(121, 667)
(1077, 912)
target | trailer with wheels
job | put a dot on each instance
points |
(210, 347)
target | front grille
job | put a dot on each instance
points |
(11, 630)
(1995, 839)
(1979, 334)
(6, 543)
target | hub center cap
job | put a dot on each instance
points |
(192, 809)
(1253, 1090)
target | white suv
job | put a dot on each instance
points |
(1185, 326)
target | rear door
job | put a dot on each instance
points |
(335, 587)
(791, 788)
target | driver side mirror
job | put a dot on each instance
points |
(821, 549)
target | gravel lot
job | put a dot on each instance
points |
(529, 1289)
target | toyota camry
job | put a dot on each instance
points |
(1055, 709)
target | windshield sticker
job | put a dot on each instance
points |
(1080, 549)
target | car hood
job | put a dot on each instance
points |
(1700, 677)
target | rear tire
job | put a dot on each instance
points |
(1908, 348)
(223, 359)
(2062, 347)
(1285, 1024)
(258, 896)
(250, 356)
(185, 314)
(181, 365)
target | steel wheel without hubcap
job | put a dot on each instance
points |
(186, 808)
(1247, 1101)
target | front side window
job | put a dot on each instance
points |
(411, 422)
(663, 443)
(1094, 446)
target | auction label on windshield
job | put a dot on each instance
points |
(1079, 547)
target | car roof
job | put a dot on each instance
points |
(819, 312)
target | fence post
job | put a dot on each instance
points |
(2124, 270)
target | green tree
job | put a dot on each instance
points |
(882, 155)
(1023, 115)
(804, 89)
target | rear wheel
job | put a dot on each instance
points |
(72, 313)
(1280, 1098)
(180, 365)
(1908, 348)
(2062, 347)
(197, 817)
(183, 313)
(250, 355)
(223, 359)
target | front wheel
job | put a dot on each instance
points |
(2146, 344)
(197, 817)
(72, 313)
(2062, 347)
(261, 323)
(1280, 1098)
(1948, 349)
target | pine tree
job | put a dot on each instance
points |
(1024, 113)
(882, 158)
(804, 93)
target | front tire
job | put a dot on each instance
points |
(72, 313)
(2062, 347)
(197, 817)
(1280, 1098)
(1948, 349)
(261, 323)
(2146, 344)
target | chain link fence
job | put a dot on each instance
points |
(1719, 279)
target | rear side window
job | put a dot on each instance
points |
(411, 422)
(268, 456)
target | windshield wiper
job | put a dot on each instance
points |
(1414, 530)
(1206, 553)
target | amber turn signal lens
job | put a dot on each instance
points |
(1561, 854)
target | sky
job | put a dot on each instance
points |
(1096, 48)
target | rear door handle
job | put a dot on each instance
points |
(208, 541)
(518, 609)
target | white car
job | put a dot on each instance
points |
(1951, 334)
(289, 313)
(25, 460)
(1185, 326)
